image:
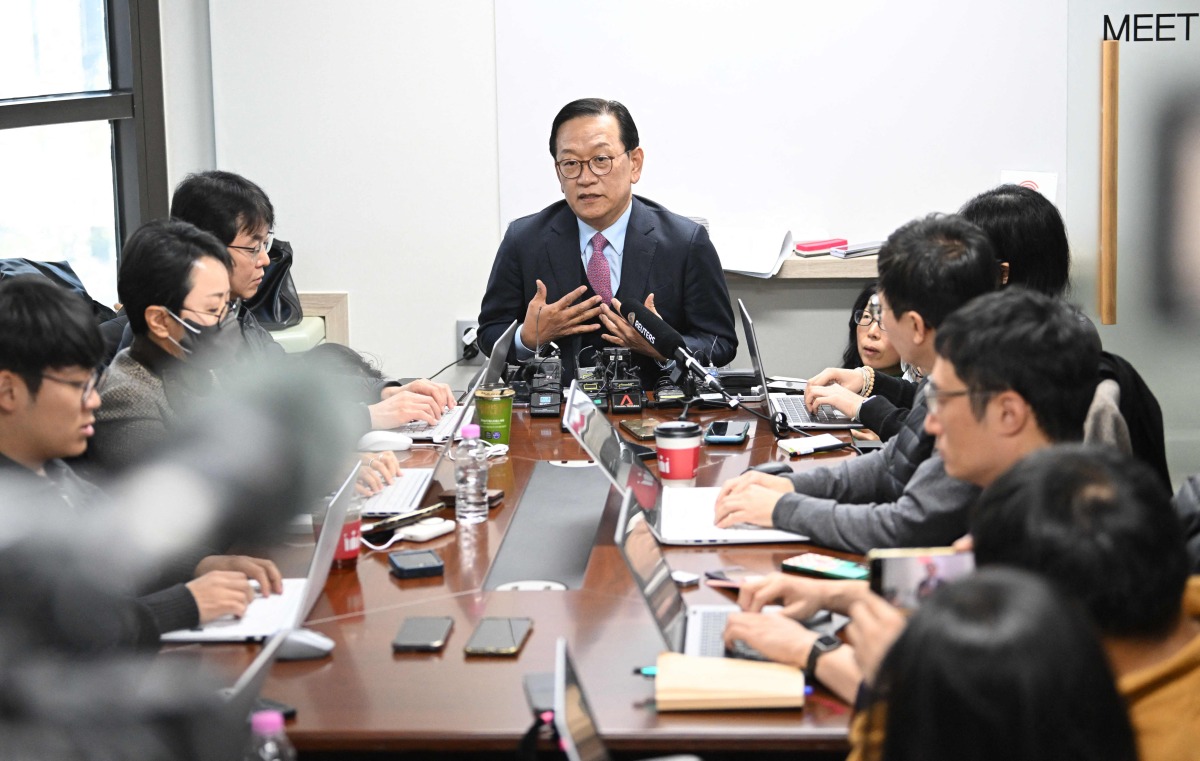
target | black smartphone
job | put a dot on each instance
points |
(422, 634)
(499, 636)
(415, 564)
(726, 432)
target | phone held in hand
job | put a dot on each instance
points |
(906, 576)
(826, 567)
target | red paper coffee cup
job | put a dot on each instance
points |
(678, 445)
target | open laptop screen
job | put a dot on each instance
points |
(572, 715)
(752, 347)
(650, 571)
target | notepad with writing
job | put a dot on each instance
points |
(692, 683)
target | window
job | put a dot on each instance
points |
(81, 132)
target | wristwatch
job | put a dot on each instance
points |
(824, 644)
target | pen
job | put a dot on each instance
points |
(649, 671)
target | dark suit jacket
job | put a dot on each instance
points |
(665, 254)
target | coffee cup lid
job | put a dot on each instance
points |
(677, 429)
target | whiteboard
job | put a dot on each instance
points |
(828, 119)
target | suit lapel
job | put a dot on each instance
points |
(562, 255)
(638, 260)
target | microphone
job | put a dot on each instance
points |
(667, 341)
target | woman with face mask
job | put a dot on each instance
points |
(174, 283)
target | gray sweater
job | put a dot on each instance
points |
(899, 496)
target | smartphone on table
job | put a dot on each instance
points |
(726, 432)
(422, 634)
(826, 567)
(642, 430)
(499, 636)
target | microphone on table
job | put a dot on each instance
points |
(667, 341)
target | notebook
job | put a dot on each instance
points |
(404, 494)
(678, 515)
(792, 406)
(266, 616)
(448, 427)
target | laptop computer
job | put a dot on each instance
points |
(573, 718)
(692, 630)
(405, 493)
(688, 629)
(266, 616)
(678, 515)
(448, 427)
(791, 405)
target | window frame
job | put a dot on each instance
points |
(134, 105)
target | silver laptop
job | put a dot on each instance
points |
(573, 717)
(790, 405)
(448, 427)
(240, 700)
(404, 494)
(678, 515)
(692, 630)
(266, 616)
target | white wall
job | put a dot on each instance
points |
(388, 189)
(187, 74)
(394, 178)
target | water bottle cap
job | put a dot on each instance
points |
(470, 431)
(266, 722)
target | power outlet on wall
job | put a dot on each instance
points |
(461, 349)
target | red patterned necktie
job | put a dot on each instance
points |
(598, 273)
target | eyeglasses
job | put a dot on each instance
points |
(934, 397)
(258, 248)
(86, 387)
(225, 316)
(865, 317)
(570, 169)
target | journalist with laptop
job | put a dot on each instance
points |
(900, 496)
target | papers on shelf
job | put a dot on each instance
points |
(753, 251)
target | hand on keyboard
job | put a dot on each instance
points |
(379, 469)
(403, 406)
(838, 397)
(770, 636)
(441, 394)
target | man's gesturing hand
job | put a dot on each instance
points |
(546, 322)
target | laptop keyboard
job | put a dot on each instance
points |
(402, 494)
(798, 414)
(419, 429)
(712, 637)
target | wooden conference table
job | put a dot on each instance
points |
(365, 698)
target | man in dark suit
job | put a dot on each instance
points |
(565, 270)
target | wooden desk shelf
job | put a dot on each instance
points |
(824, 268)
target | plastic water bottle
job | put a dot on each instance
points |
(268, 742)
(470, 478)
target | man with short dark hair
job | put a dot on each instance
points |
(1100, 526)
(1016, 371)
(50, 349)
(241, 216)
(900, 496)
(566, 270)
